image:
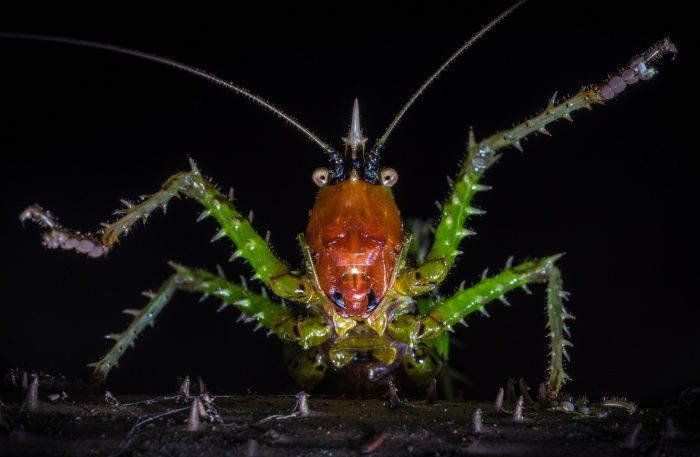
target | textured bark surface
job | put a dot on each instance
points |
(88, 425)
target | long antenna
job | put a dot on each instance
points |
(335, 156)
(380, 143)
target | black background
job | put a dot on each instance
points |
(615, 191)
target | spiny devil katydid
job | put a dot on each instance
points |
(367, 279)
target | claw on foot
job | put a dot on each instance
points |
(58, 237)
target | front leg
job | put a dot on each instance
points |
(307, 331)
(451, 230)
(249, 245)
(444, 314)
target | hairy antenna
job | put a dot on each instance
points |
(335, 157)
(372, 161)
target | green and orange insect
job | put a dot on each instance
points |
(370, 317)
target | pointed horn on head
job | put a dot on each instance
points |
(355, 139)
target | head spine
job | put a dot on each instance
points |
(355, 157)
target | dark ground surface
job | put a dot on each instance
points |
(87, 425)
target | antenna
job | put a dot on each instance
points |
(372, 161)
(335, 157)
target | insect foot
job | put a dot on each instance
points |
(57, 237)
(100, 242)
(638, 68)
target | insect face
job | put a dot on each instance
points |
(355, 232)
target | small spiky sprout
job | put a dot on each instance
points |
(477, 424)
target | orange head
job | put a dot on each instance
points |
(355, 232)
(355, 237)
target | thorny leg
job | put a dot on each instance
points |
(249, 245)
(480, 156)
(307, 332)
(450, 311)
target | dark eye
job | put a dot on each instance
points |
(372, 301)
(338, 299)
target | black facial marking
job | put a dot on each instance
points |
(338, 299)
(372, 301)
(371, 165)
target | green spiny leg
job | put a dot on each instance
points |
(450, 311)
(307, 332)
(249, 245)
(480, 156)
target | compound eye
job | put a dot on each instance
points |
(321, 176)
(388, 176)
(337, 298)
